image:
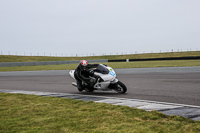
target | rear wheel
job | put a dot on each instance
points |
(120, 87)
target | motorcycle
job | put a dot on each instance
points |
(107, 80)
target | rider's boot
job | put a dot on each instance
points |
(79, 86)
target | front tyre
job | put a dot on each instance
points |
(120, 87)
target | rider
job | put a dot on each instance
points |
(84, 73)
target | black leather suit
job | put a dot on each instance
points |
(83, 75)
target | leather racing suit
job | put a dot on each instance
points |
(82, 75)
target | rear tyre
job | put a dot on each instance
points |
(120, 87)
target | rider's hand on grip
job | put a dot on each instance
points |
(91, 72)
(92, 80)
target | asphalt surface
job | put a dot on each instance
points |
(172, 84)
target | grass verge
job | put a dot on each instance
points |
(11, 58)
(136, 64)
(29, 113)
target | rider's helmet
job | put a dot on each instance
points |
(83, 65)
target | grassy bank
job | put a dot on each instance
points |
(28, 113)
(7, 58)
(136, 64)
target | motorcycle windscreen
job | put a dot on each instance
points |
(102, 69)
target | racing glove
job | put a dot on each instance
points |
(91, 72)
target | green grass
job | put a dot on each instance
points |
(7, 58)
(136, 64)
(29, 113)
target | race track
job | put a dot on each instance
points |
(175, 85)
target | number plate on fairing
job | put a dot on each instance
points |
(112, 73)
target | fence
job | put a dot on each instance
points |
(13, 64)
(92, 54)
(156, 59)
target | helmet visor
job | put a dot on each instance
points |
(83, 67)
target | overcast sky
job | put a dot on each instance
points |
(85, 27)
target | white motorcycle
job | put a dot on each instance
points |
(106, 82)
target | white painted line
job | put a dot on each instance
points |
(157, 107)
(133, 104)
(137, 104)
(110, 101)
(148, 101)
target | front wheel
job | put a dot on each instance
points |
(120, 87)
